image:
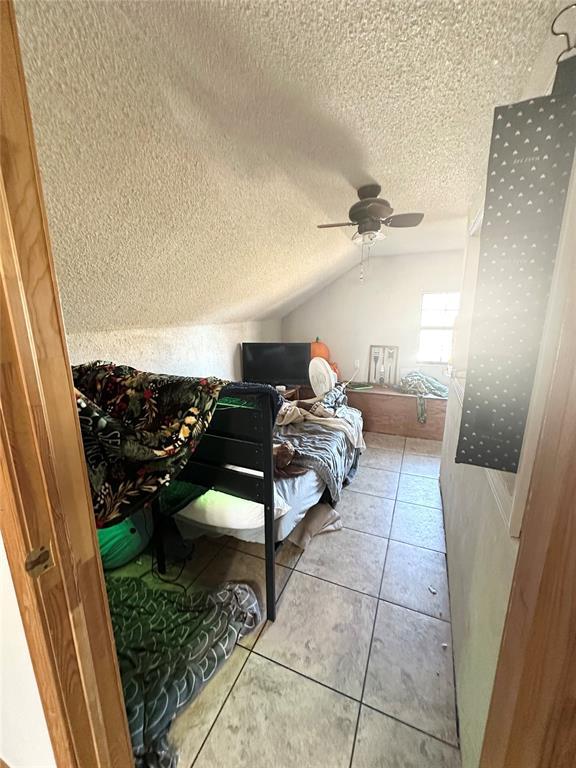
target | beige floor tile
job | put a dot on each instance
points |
(248, 547)
(379, 440)
(416, 578)
(421, 526)
(346, 557)
(249, 641)
(333, 648)
(204, 551)
(377, 482)
(381, 458)
(385, 743)
(423, 447)
(410, 672)
(420, 490)
(287, 554)
(192, 725)
(369, 514)
(180, 575)
(413, 464)
(231, 565)
(275, 717)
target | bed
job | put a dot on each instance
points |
(235, 459)
(145, 433)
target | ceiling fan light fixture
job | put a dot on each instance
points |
(367, 238)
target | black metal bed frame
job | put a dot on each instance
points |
(239, 438)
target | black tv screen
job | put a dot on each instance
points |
(280, 363)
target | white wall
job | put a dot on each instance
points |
(350, 315)
(195, 350)
(24, 740)
(481, 557)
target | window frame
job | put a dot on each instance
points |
(449, 328)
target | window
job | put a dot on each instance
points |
(439, 312)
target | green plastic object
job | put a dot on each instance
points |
(121, 543)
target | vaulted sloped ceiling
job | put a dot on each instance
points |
(188, 149)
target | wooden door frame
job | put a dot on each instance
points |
(44, 487)
(532, 717)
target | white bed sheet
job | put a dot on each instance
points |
(228, 518)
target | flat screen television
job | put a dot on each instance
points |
(281, 363)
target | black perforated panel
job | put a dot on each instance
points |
(531, 157)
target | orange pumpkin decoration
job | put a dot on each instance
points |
(319, 349)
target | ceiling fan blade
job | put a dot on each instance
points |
(343, 224)
(403, 220)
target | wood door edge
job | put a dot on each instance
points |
(87, 659)
(32, 613)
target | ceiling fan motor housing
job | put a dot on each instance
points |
(370, 208)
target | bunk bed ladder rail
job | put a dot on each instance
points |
(238, 439)
(269, 518)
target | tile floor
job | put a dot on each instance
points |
(357, 670)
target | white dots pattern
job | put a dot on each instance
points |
(530, 160)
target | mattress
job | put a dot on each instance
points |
(220, 514)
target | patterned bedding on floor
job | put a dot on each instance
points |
(169, 644)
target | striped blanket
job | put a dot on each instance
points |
(328, 451)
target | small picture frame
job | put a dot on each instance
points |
(383, 365)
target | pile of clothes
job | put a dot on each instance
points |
(331, 410)
(416, 383)
(323, 434)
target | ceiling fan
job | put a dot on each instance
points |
(371, 212)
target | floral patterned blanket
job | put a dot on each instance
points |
(139, 430)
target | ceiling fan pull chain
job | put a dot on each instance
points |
(365, 262)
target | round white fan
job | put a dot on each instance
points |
(322, 377)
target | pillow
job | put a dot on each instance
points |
(224, 511)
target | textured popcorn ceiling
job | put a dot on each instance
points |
(188, 149)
